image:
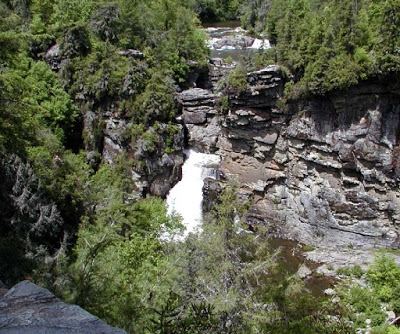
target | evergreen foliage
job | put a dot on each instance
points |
(81, 227)
(41, 110)
(216, 10)
(331, 45)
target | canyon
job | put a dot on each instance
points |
(323, 171)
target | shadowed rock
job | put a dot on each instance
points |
(28, 309)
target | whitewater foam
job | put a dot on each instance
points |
(186, 197)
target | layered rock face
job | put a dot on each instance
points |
(342, 173)
(339, 181)
(200, 116)
(323, 171)
(27, 308)
(159, 155)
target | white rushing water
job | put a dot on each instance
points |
(186, 197)
(261, 44)
(234, 42)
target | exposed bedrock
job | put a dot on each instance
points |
(200, 115)
(323, 171)
(29, 309)
(157, 153)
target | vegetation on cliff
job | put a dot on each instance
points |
(329, 45)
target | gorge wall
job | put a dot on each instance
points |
(324, 171)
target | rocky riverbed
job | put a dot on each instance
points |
(234, 42)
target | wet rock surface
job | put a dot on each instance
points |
(231, 42)
(27, 308)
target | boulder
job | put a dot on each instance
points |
(53, 57)
(131, 53)
(304, 272)
(29, 309)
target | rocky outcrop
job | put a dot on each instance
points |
(339, 155)
(201, 110)
(200, 116)
(324, 171)
(264, 87)
(53, 57)
(159, 156)
(131, 53)
(218, 68)
(27, 308)
(231, 42)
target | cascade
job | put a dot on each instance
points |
(186, 197)
(233, 42)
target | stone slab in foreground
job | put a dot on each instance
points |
(27, 308)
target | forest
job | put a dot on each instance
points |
(77, 225)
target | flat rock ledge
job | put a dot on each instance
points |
(27, 308)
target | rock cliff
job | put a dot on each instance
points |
(323, 171)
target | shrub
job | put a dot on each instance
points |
(308, 248)
(384, 276)
(76, 42)
(367, 305)
(237, 79)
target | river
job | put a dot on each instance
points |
(229, 40)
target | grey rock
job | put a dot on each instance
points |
(231, 41)
(161, 166)
(205, 137)
(218, 68)
(197, 97)
(194, 117)
(27, 308)
(263, 89)
(269, 138)
(329, 292)
(131, 53)
(390, 316)
(325, 171)
(304, 272)
(336, 159)
(53, 57)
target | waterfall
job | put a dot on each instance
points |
(186, 197)
(260, 44)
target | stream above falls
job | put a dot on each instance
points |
(229, 40)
